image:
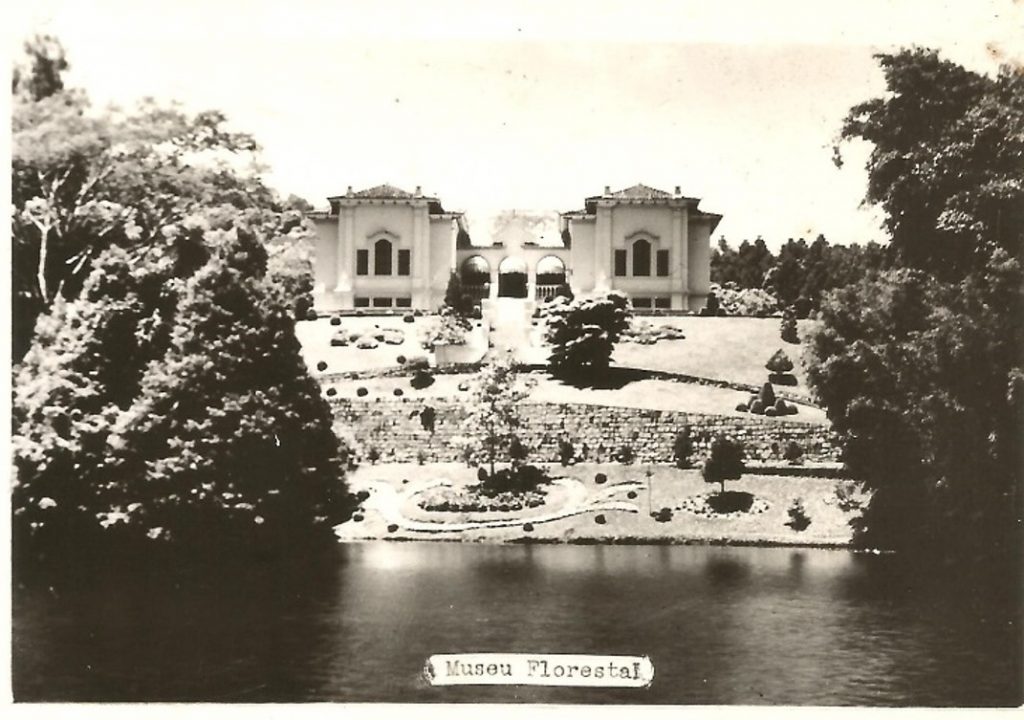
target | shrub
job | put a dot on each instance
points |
(373, 455)
(335, 321)
(779, 362)
(711, 306)
(518, 480)
(738, 301)
(788, 329)
(566, 452)
(331, 392)
(398, 392)
(663, 515)
(794, 453)
(421, 379)
(771, 412)
(362, 392)
(421, 457)
(517, 450)
(408, 318)
(392, 336)
(600, 478)
(583, 333)
(427, 418)
(798, 518)
(767, 395)
(631, 495)
(682, 448)
(339, 339)
(481, 475)
(392, 528)
(366, 342)
(311, 314)
(321, 366)
(463, 386)
(418, 362)
(448, 330)
(400, 359)
(742, 407)
(725, 461)
(625, 454)
(528, 527)
(757, 407)
(730, 502)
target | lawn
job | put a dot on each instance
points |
(315, 338)
(645, 394)
(577, 501)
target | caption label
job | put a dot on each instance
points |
(530, 669)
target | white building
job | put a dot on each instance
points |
(384, 247)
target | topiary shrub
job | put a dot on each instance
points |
(600, 478)
(428, 417)
(335, 321)
(340, 339)
(600, 519)
(731, 502)
(757, 407)
(528, 527)
(631, 495)
(742, 407)
(362, 392)
(398, 392)
(321, 366)
(392, 528)
(408, 318)
(421, 379)
(331, 392)
(767, 395)
(682, 448)
(779, 363)
(663, 515)
(463, 386)
(400, 359)
(311, 314)
(771, 412)
(481, 475)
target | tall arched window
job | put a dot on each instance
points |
(642, 258)
(382, 257)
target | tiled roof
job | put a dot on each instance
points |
(383, 191)
(640, 192)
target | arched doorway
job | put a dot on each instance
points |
(551, 276)
(475, 274)
(512, 281)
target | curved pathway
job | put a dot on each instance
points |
(387, 501)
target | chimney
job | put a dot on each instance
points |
(349, 191)
(419, 191)
(607, 189)
(679, 191)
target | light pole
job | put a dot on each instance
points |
(650, 491)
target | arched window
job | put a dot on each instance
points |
(642, 258)
(382, 257)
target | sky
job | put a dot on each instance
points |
(540, 104)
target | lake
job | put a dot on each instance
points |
(736, 625)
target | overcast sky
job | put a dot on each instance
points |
(535, 107)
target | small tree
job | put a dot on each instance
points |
(793, 453)
(456, 301)
(494, 410)
(725, 461)
(583, 333)
(682, 448)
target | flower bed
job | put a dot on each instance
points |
(699, 505)
(469, 499)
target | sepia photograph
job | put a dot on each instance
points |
(538, 354)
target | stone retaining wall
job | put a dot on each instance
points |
(395, 429)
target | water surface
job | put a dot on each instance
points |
(722, 625)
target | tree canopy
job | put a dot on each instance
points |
(919, 367)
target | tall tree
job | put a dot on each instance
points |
(170, 402)
(947, 146)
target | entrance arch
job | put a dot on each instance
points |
(551, 275)
(512, 278)
(475, 274)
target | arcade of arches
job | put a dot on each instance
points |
(513, 276)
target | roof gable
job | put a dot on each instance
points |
(383, 191)
(640, 192)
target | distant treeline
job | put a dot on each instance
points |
(800, 273)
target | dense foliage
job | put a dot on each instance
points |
(920, 367)
(170, 402)
(84, 180)
(797, 277)
(583, 333)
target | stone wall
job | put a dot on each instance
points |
(394, 427)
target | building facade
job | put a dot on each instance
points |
(387, 248)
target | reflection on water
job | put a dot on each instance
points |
(722, 625)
